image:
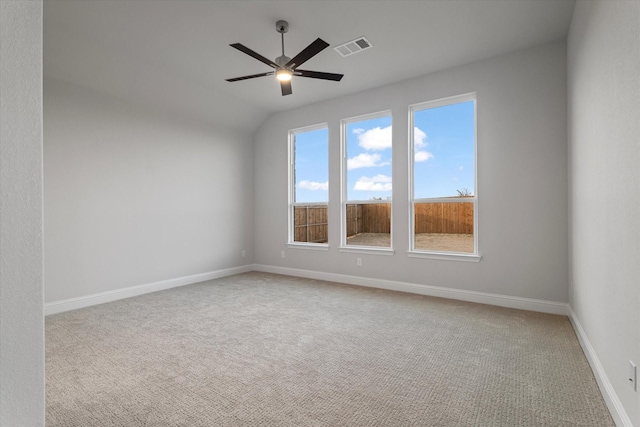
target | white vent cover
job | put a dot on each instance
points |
(354, 46)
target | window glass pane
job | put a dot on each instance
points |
(311, 186)
(311, 166)
(444, 167)
(310, 223)
(368, 186)
(444, 151)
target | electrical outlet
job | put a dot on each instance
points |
(281, 254)
(632, 375)
(244, 253)
(359, 262)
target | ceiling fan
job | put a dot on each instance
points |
(284, 67)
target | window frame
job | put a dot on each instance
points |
(291, 204)
(442, 255)
(344, 187)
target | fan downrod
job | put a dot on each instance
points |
(282, 27)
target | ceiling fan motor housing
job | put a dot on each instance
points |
(282, 26)
(282, 60)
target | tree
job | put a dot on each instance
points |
(465, 192)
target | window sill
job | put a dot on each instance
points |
(367, 250)
(309, 246)
(446, 256)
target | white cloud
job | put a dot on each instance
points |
(358, 131)
(311, 185)
(423, 156)
(376, 183)
(419, 137)
(365, 160)
(419, 142)
(375, 139)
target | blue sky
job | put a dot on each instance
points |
(312, 166)
(369, 159)
(444, 156)
(447, 135)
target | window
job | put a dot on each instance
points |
(366, 183)
(309, 185)
(443, 176)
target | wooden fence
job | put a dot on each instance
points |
(310, 224)
(355, 224)
(368, 218)
(449, 217)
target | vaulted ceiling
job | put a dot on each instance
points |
(175, 54)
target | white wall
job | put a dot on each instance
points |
(604, 176)
(134, 196)
(21, 317)
(522, 182)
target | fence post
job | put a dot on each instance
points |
(307, 210)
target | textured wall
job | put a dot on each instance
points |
(21, 317)
(134, 196)
(522, 182)
(604, 176)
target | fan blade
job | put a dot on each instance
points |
(307, 53)
(286, 88)
(318, 75)
(253, 76)
(253, 54)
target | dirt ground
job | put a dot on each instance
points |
(424, 241)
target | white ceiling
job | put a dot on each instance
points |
(175, 54)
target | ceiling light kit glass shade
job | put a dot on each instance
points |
(284, 75)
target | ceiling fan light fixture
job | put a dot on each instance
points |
(284, 75)
(284, 67)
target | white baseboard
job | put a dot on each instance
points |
(606, 388)
(102, 297)
(541, 306)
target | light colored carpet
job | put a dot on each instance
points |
(267, 350)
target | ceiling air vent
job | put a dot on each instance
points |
(354, 46)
